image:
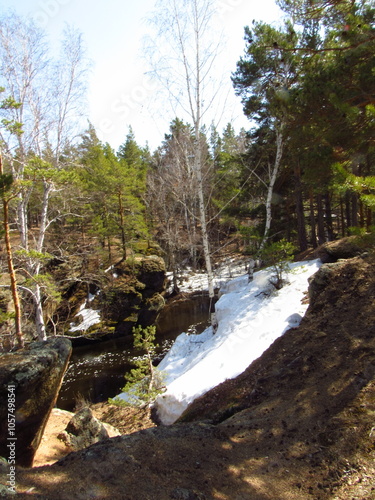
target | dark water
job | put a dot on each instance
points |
(96, 372)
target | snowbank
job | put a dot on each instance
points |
(250, 317)
(89, 317)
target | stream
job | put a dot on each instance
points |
(96, 372)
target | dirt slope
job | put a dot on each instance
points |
(298, 424)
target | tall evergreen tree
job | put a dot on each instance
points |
(115, 189)
(264, 78)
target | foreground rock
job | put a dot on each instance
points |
(84, 430)
(297, 425)
(117, 420)
(33, 375)
(51, 448)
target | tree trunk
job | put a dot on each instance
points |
(191, 232)
(34, 270)
(368, 219)
(39, 319)
(47, 190)
(321, 229)
(354, 200)
(12, 274)
(361, 214)
(22, 223)
(342, 216)
(328, 214)
(13, 280)
(314, 241)
(301, 226)
(202, 216)
(272, 179)
(174, 270)
(122, 226)
(347, 211)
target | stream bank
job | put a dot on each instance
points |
(96, 370)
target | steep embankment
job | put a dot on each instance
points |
(297, 424)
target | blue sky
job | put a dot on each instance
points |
(120, 93)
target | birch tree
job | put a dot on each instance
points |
(50, 92)
(172, 200)
(183, 62)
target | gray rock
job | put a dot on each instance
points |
(84, 430)
(186, 494)
(294, 319)
(32, 376)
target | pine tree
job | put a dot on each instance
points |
(145, 382)
(6, 184)
(264, 78)
(115, 190)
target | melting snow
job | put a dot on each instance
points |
(89, 317)
(250, 317)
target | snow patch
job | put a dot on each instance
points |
(89, 317)
(251, 316)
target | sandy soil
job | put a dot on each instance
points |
(51, 447)
(126, 420)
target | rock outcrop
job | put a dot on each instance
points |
(32, 378)
(345, 248)
(134, 296)
(84, 429)
(129, 294)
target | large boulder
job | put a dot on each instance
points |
(345, 248)
(30, 377)
(321, 279)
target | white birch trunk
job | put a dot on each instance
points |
(38, 297)
(47, 190)
(272, 179)
(39, 319)
(22, 225)
(206, 243)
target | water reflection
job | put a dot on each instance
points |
(96, 371)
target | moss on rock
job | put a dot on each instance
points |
(35, 375)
